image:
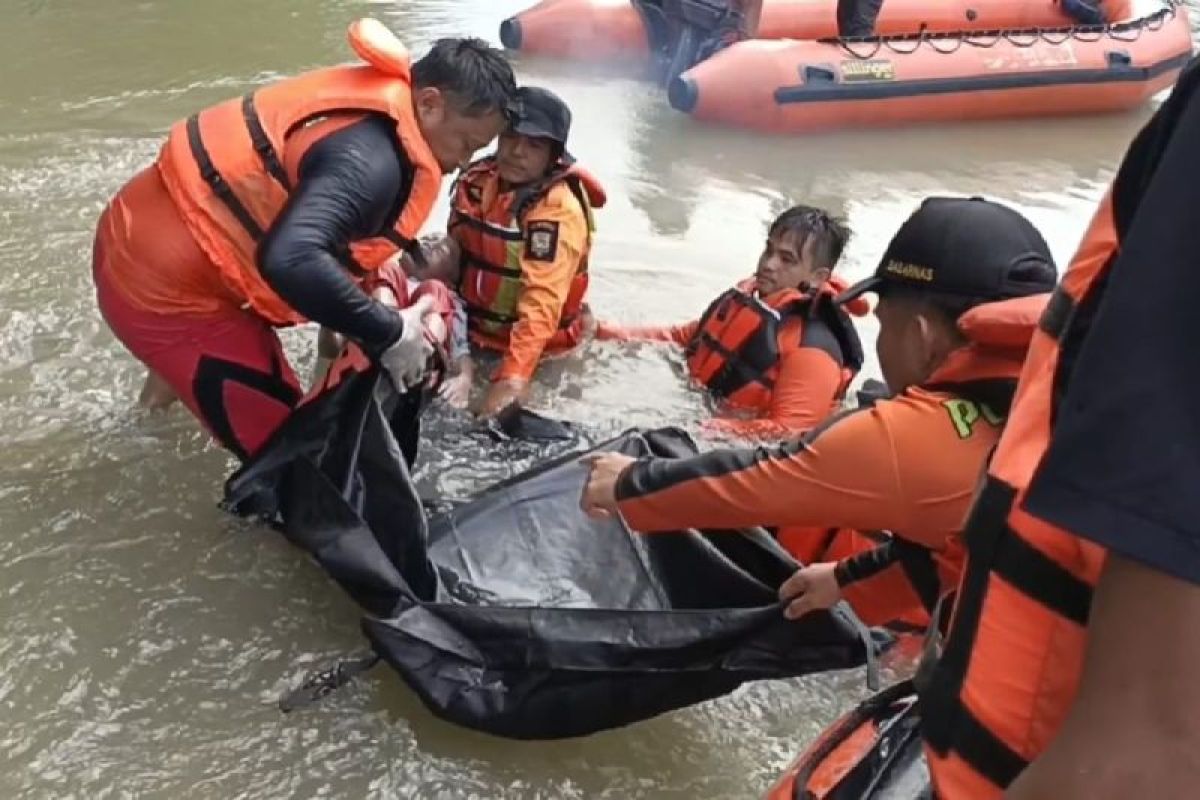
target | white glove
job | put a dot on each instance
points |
(406, 360)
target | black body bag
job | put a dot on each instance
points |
(514, 613)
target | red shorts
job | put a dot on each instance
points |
(228, 368)
(167, 304)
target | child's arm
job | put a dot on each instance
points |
(456, 389)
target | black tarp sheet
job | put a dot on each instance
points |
(514, 613)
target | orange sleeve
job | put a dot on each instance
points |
(898, 466)
(808, 383)
(674, 334)
(547, 271)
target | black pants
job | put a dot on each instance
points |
(857, 17)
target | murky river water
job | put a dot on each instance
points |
(144, 635)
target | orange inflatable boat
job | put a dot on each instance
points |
(798, 87)
(623, 30)
(871, 753)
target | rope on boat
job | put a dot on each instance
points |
(866, 47)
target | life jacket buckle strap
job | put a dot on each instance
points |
(1059, 313)
(262, 143)
(931, 648)
(216, 182)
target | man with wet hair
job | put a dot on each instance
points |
(268, 210)
(775, 352)
(961, 287)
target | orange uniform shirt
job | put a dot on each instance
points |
(545, 281)
(908, 465)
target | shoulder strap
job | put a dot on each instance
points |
(823, 316)
(576, 187)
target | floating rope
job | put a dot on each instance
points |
(866, 47)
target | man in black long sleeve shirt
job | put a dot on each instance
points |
(351, 183)
(267, 211)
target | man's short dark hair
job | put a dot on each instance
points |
(476, 76)
(825, 234)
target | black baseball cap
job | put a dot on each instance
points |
(965, 246)
(542, 114)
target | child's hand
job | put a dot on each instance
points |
(455, 390)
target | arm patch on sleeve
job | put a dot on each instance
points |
(541, 240)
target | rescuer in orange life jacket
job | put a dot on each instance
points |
(523, 219)
(269, 209)
(1068, 671)
(776, 352)
(961, 287)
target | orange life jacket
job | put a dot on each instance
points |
(223, 167)
(735, 352)
(492, 239)
(1000, 690)
(872, 747)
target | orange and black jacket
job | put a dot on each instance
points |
(1099, 458)
(299, 188)
(909, 464)
(785, 359)
(525, 253)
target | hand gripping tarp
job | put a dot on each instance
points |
(515, 613)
